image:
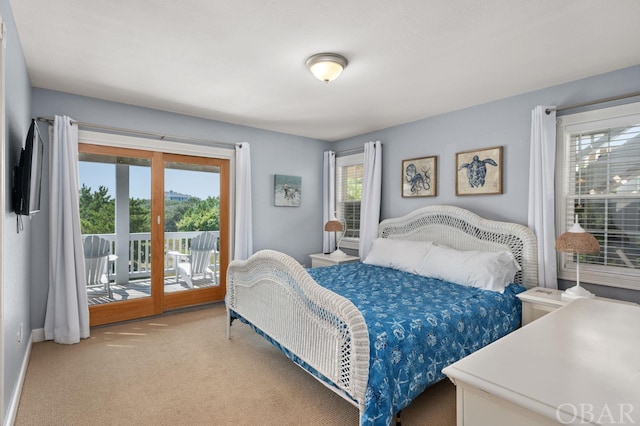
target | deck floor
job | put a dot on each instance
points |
(140, 288)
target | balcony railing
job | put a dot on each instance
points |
(139, 253)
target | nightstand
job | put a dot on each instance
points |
(539, 301)
(321, 259)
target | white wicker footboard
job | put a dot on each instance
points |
(276, 294)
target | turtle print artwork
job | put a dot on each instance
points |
(419, 177)
(479, 172)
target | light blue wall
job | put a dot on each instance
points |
(296, 231)
(16, 257)
(505, 123)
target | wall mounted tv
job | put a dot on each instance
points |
(28, 174)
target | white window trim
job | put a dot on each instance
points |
(343, 161)
(170, 147)
(589, 121)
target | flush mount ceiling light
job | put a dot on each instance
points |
(326, 66)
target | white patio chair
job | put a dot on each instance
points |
(97, 262)
(198, 260)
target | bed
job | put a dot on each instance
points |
(378, 335)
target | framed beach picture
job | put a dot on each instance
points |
(287, 190)
(420, 177)
(479, 172)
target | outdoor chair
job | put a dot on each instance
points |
(198, 260)
(97, 262)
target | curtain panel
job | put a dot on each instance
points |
(67, 314)
(243, 243)
(371, 193)
(542, 193)
(328, 199)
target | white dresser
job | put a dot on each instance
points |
(579, 364)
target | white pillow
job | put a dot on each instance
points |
(404, 255)
(381, 252)
(485, 270)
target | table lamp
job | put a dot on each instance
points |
(577, 241)
(335, 225)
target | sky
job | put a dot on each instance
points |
(196, 184)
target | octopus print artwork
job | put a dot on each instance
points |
(479, 172)
(287, 190)
(419, 177)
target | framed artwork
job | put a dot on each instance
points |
(287, 190)
(479, 172)
(420, 177)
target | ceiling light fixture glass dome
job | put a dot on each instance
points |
(326, 66)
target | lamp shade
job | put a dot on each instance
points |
(326, 66)
(577, 240)
(333, 226)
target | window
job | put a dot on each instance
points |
(599, 159)
(349, 171)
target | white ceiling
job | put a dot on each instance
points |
(243, 61)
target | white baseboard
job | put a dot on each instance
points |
(37, 335)
(12, 409)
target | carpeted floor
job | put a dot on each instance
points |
(180, 369)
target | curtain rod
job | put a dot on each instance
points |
(597, 101)
(351, 151)
(140, 133)
(356, 150)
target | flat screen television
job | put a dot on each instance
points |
(28, 174)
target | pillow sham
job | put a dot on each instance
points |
(485, 270)
(404, 255)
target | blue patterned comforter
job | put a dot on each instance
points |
(417, 326)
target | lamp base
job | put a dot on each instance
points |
(576, 292)
(338, 253)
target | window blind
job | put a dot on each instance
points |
(604, 192)
(349, 171)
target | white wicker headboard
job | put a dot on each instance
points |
(461, 229)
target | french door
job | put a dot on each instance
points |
(153, 209)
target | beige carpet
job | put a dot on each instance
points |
(180, 369)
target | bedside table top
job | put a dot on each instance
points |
(334, 258)
(550, 296)
(543, 295)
